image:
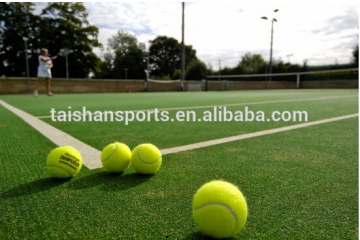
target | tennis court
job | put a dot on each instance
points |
(301, 183)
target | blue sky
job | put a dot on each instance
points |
(319, 31)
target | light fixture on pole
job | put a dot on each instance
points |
(27, 63)
(288, 56)
(65, 52)
(271, 43)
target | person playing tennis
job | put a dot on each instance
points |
(44, 71)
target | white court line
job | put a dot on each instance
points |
(233, 104)
(251, 135)
(90, 155)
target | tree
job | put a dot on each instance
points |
(356, 55)
(65, 25)
(60, 25)
(165, 56)
(176, 75)
(210, 69)
(17, 22)
(231, 71)
(252, 63)
(255, 63)
(106, 67)
(280, 67)
(196, 70)
(124, 53)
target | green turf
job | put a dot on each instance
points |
(162, 133)
(300, 184)
(41, 105)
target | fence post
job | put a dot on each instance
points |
(298, 80)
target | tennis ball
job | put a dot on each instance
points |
(146, 158)
(64, 162)
(116, 157)
(219, 209)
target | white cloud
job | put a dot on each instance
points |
(221, 29)
(320, 31)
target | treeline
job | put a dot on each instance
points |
(66, 25)
(60, 25)
(127, 58)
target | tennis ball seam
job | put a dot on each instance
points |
(138, 155)
(60, 168)
(221, 205)
(111, 153)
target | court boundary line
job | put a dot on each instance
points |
(253, 134)
(227, 105)
(90, 155)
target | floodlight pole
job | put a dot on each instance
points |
(126, 73)
(271, 42)
(67, 67)
(147, 70)
(65, 52)
(271, 48)
(147, 60)
(148, 63)
(27, 64)
(219, 69)
(183, 46)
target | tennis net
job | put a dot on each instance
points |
(340, 77)
(173, 85)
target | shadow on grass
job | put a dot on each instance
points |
(126, 181)
(200, 236)
(94, 180)
(110, 181)
(33, 187)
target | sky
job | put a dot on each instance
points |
(320, 31)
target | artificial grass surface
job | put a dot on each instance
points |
(41, 105)
(173, 134)
(300, 184)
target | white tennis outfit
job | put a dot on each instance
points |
(43, 70)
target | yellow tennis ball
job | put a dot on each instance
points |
(219, 209)
(64, 162)
(116, 157)
(146, 158)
